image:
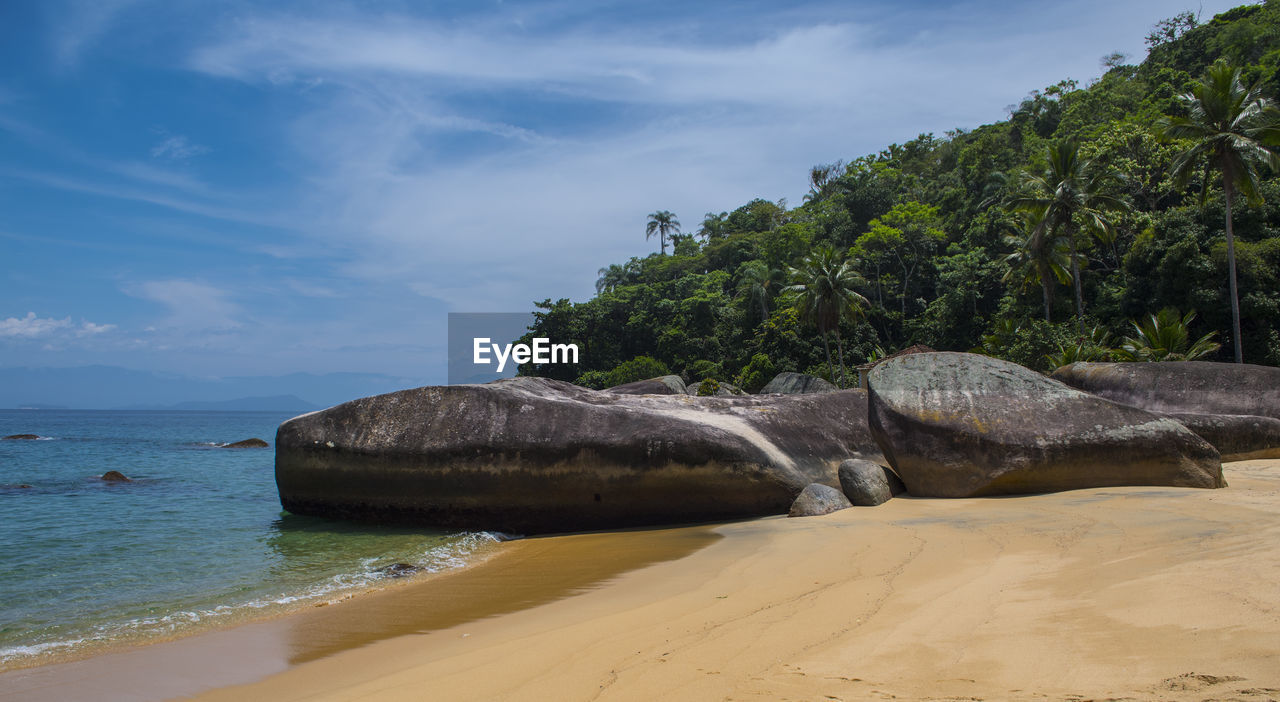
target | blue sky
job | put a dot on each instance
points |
(237, 188)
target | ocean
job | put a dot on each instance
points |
(197, 539)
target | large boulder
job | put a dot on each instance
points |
(962, 425)
(1193, 387)
(817, 499)
(866, 484)
(796, 384)
(664, 385)
(532, 455)
(1234, 406)
(1238, 437)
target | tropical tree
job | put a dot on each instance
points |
(822, 179)
(756, 282)
(823, 291)
(714, 226)
(1072, 193)
(663, 223)
(1165, 336)
(613, 275)
(1234, 130)
(1040, 256)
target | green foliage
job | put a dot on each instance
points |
(1165, 336)
(638, 368)
(1093, 346)
(708, 387)
(705, 369)
(1031, 343)
(596, 380)
(756, 374)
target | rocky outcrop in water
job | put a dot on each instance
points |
(20, 437)
(532, 455)
(817, 499)
(796, 384)
(115, 476)
(248, 443)
(962, 425)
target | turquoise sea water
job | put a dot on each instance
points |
(198, 537)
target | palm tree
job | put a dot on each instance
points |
(1070, 189)
(1040, 255)
(755, 281)
(662, 223)
(610, 278)
(823, 290)
(1233, 128)
(1165, 336)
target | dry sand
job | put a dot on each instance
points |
(1129, 593)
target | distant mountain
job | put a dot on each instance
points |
(107, 387)
(275, 403)
(40, 406)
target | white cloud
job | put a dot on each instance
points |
(31, 326)
(91, 329)
(177, 147)
(192, 305)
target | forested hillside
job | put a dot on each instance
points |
(965, 241)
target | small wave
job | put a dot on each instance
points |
(457, 554)
(47, 438)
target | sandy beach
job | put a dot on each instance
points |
(1119, 593)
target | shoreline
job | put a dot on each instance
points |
(512, 575)
(1137, 592)
(475, 547)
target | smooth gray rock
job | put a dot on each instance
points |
(664, 385)
(1238, 437)
(532, 455)
(1182, 387)
(817, 499)
(1234, 406)
(866, 484)
(248, 443)
(962, 425)
(796, 384)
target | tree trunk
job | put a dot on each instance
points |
(840, 351)
(1075, 279)
(827, 347)
(1048, 298)
(1237, 341)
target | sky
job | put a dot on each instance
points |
(220, 189)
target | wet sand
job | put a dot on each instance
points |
(1117, 593)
